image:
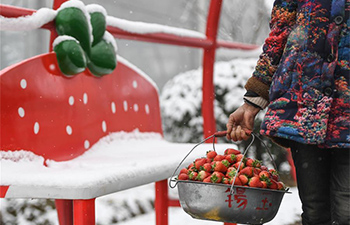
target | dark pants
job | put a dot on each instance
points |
(323, 177)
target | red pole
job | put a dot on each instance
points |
(208, 69)
(161, 202)
(64, 211)
(84, 212)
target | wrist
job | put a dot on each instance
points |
(251, 108)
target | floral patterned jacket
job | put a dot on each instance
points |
(304, 72)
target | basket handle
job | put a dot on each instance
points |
(245, 152)
(174, 180)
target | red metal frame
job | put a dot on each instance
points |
(83, 210)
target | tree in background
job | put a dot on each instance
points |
(181, 107)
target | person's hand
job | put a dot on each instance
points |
(241, 122)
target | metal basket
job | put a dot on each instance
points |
(228, 203)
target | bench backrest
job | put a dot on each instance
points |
(60, 117)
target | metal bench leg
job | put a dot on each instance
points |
(64, 211)
(161, 202)
(84, 212)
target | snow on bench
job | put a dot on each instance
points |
(118, 161)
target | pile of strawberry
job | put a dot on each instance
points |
(216, 168)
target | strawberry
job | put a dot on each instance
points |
(211, 154)
(207, 180)
(280, 185)
(199, 162)
(243, 179)
(248, 171)
(216, 177)
(221, 166)
(253, 163)
(184, 170)
(225, 180)
(190, 167)
(202, 175)
(237, 164)
(273, 184)
(274, 174)
(206, 167)
(219, 158)
(231, 158)
(255, 182)
(264, 175)
(237, 181)
(192, 175)
(229, 151)
(249, 162)
(231, 168)
(263, 168)
(183, 176)
(264, 184)
(231, 173)
(257, 171)
(239, 157)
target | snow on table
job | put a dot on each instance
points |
(117, 162)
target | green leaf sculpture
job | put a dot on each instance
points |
(102, 59)
(73, 22)
(88, 26)
(70, 56)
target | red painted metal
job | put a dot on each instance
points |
(84, 212)
(161, 202)
(64, 211)
(174, 203)
(53, 35)
(3, 191)
(162, 38)
(209, 124)
(35, 97)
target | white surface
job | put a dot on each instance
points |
(34, 21)
(118, 161)
(146, 28)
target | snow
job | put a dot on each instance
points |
(108, 37)
(62, 38)
(146, 28)
(79, 5)
(101, 170)
(96, 8)
(34, 21)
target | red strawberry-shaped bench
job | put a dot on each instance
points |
(77, 138)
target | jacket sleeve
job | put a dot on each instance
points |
(283, 18)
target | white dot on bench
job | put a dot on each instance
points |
(147, 109)
(85, 98)
(71, 100)
(86, 144)
(36, 128)
(21, 112)
(136, 107)
(52, 67)
(113, 107)
(125, 103)
(23, 83)
(134, 84)
(69, 130)
(104, 126)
